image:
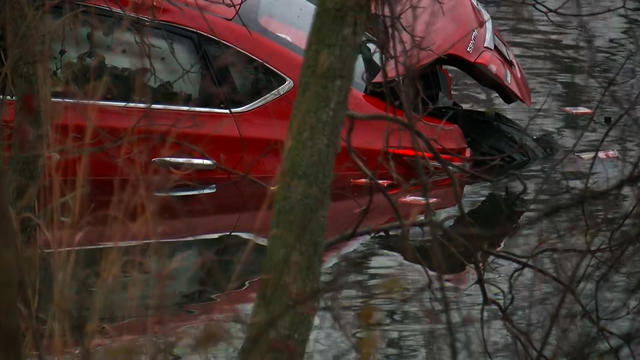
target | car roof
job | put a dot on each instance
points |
(225, 9)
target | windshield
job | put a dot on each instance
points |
(288, 23)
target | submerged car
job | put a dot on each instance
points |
(169, 117)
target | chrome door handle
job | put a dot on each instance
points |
(183, 163)
(188, 191)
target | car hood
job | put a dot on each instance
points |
(450, 32)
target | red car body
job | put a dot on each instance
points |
(149, 170)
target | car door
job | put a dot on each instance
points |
(144, 136)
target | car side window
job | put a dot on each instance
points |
(105, 58)
(97, 57)
(238, 79)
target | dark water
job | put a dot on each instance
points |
(386, 303)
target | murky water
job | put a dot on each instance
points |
(385, 303)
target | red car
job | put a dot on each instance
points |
(169, 117)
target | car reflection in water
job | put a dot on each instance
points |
(165, 288)
(484, 227)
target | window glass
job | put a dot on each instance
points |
(238, 79)
(287, 22)
(97, 57)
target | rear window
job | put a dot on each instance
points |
(288, 22)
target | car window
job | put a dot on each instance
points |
(288, 23)
(238, 79)
(99, 57)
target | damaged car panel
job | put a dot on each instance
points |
(450, 32)
(459, 33)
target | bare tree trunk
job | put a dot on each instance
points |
(10, 338)
(285, 307)
(27, 68)
(25, 77)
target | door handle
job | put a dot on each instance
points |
(183, 163)
(188, 191)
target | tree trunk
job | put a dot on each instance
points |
(28, 81)
(285, 307)
(10, 338)
(25, 58)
